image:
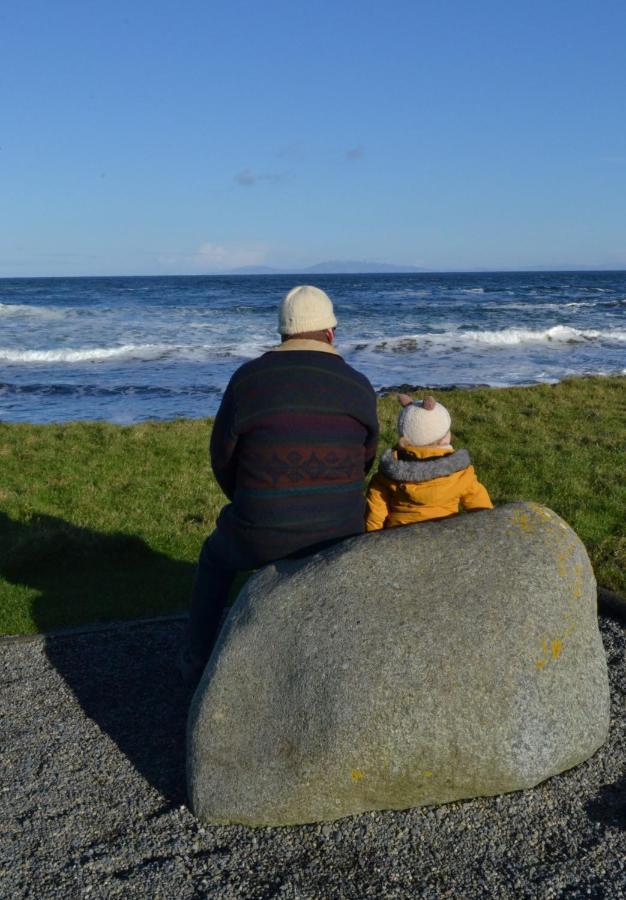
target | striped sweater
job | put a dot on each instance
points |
(294, 436)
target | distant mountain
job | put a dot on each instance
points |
(333, 267)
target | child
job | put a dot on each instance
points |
(423, 477)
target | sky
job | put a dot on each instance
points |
(188, 138)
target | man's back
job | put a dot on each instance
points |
(292, 441)
(294, 436)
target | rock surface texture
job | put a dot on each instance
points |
(408, 667)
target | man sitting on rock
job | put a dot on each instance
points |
(293, 439)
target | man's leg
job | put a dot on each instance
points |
(218, 563)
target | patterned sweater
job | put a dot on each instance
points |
(294, 436)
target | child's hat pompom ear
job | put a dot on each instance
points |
(429, 403)
(404, 399)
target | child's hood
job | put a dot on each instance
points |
(416, 464)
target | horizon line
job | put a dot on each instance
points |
(287, 273)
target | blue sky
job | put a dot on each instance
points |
(162, 137)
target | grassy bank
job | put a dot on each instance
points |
(102, 522)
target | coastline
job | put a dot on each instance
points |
(407, 388)
(381, 393)
(132, 350)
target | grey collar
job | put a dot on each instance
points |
(416, 470)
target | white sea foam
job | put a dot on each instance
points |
(128, 352)
(499, 307)
(557, 334)
(250, 349)
(23, 309)
(92, 354)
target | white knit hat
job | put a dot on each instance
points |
(423, 422)
(305, 308)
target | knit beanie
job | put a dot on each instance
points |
(423, 422)
(305, 308)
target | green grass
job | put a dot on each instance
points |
(100, 522)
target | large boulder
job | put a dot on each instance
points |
(411, 666)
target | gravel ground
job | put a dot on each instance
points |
(93, 800)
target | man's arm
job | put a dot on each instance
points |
(223, 444)
(371, 441)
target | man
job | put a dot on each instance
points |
(294, 436)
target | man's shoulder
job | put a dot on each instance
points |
(359, 376)
(310, 363)
(250, 367)
(333, 362)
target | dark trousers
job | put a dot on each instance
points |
(219, 561)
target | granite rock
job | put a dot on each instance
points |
(406, 667)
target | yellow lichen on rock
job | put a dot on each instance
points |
(523, 521)
(540, 510)
(564, 548)
(551, 649)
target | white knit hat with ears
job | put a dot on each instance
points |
(305, 308)
(422, 422)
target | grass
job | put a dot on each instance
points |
(101, 522)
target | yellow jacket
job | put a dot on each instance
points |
(414, 484)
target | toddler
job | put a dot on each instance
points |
(422, 477)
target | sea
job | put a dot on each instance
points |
(129, 349)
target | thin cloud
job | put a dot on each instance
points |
(229, 256)
(292, 152)
(215, 257)
(355, 153)
(248, 178)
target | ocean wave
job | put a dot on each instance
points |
(93, 390)
(23, 309)
(557, 334)
(91, 354)
(617, 301)
(574, 304)
(527, 378)
(598, 303)
(403, 293)
(140, 352)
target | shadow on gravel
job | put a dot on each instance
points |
(609, 805)
(124, 677)
(126, 682)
